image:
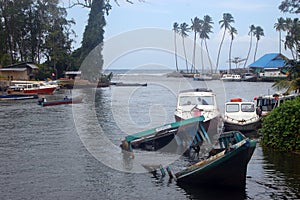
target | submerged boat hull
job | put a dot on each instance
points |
(178, 137)
(228, 170)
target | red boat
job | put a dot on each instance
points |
(31, 88)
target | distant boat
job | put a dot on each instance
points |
(249, 77)
(128, 84)
(66, 100)
(187, 74)
(18, 97)
(202, 77)
(31, 87)
(231, 77)
(241, 116)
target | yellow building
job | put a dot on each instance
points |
(21, 71)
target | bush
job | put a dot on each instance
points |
(281, 128)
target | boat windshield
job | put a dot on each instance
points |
(232, 107)
(247, 107)
(266, 104)
(196, 100)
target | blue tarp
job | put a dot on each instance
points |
(271, 60)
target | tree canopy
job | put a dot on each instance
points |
(34, 31)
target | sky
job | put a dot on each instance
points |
(155, 18)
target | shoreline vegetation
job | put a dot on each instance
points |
(280, 128)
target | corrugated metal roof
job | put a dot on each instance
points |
(12, 69)
(32, 66)
(73, 73)
(22, 65)
(271, 60)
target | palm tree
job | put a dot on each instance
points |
(258, 32)
(292, 83)
(226, 24)
(252, 28)
(280, 26)
(289, 39)
(183, 32)
(237, 61)
(176, 30)
(205, 30)
(196, 23)
(292, 39)
(232, 32)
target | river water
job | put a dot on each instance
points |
(72, 152)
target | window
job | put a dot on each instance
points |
(232, 108)
(196, 100)
(247, 107)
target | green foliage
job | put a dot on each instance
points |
(32, 31)
(292, 83)
(291, 6)
(281, 128)
(94, 31)
(91, 61)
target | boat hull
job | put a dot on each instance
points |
(177, 137)
(242, 127)
(40, 91)
(18, 97)
(227, 171)
(60, 102)
(211, 126)
(49, 90)
(230, 80)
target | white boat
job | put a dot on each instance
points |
(241, 116)
(231, 77)
(199, 102)
(266, 103)
(31, 87)
(202, 77)
(249, 77)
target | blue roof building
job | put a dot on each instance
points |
(270, 67)
(269, 61)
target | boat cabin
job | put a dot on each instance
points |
(267, 103)
(196, 97)
(236, 107)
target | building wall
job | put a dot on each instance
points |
(14, 75)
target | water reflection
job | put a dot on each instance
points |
(207, 193)
(283, 172)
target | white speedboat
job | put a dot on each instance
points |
(241, 116)
(199, 102)
(231, 77)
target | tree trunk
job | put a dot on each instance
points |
(210, 63)
(255, 50)
(217, 65)
(186, 63)
(230, 56)
(250, 47)
(176, 62)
